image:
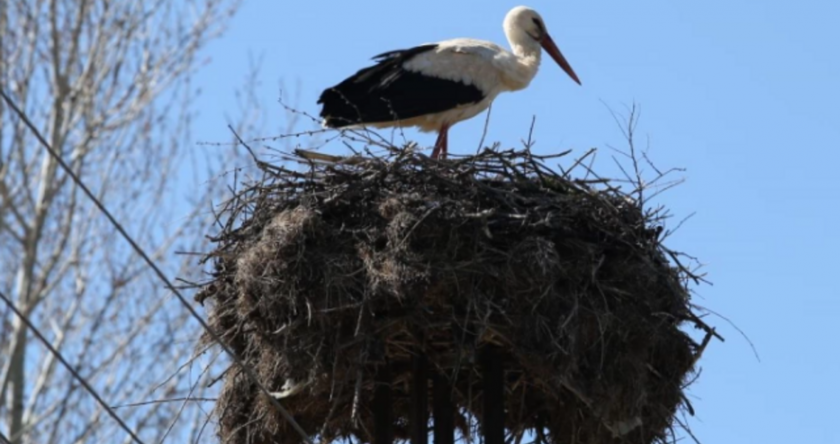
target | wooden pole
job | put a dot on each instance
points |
(443, 411)
(383, 423)
(494, 408)
(419, 421)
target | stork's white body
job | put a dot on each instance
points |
(435, 86)
(486, 65)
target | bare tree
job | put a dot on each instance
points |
(108, 84)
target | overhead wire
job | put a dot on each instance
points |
(89, 388)
(249, 372)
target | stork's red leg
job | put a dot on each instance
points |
(441, 143)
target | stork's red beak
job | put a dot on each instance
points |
(549, 46)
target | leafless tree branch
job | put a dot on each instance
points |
(108, 84)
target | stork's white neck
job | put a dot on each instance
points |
(527, 52)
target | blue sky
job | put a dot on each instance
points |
(743, 94)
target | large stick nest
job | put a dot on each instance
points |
(325, 275)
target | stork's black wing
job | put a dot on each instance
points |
(387, 91)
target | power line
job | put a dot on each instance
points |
(69, 367)
(213, 335)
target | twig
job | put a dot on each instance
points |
(165, 401)
(738, 329)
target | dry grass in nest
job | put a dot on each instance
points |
(322, 276)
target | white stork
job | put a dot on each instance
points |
(437, 85)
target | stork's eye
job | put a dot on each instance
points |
(540, 28)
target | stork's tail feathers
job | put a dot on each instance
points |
(338, 109)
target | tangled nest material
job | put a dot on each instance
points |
(323, 275)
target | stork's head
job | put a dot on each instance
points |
(525, 27)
